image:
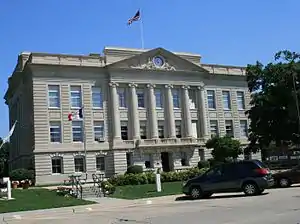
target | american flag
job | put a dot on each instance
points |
(136, 17)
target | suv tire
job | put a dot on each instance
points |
(250, 189)
(196, 192)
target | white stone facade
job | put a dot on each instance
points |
(152, 108)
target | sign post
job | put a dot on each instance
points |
(8, 182)
(158, 181)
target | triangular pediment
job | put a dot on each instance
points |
(157, 59)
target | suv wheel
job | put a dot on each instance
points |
(250, 189)
(196, 192)
(284, 182)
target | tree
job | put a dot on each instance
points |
(4, 157)
(224, 148)
(274, 101)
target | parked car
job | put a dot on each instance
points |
(287, 177)
(249, 176)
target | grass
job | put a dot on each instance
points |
(147, 190)
(33, 199)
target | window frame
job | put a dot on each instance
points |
(158, 95)
(210, 97)
(76, 126)
(140, 93)
(226, 105)
(246, 129)
(100, 125)
(84, 162)
(176, 98)
(77, 91)
(101, 165)
(240, 99)
(216, 122)
(54, 89)
(122, 97)
(232, 128)
(97, 92)
(56, 124)
(55, 166)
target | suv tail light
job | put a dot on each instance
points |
(262, 171)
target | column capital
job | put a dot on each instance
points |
(169, 86)
(201, 87)
(113, 84)
(151, 86)
(185, 87)
(132, 85)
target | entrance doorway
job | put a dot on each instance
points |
(165, 161)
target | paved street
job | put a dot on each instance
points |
(278, 206)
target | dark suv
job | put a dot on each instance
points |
(250, 176)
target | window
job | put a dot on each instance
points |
(176, 98)
(229, 128)
(100, 163)
(99, 131)
(240, 100)
(192, 99)
(211, 99)
(129, 156)
(79, 163)
(53, 96)
(148, 161)
(57, 165)
(244, 128)
(178, 130)
(140, 98)
(77, 131)
(226, 100)
(122, 98)
(143, 131)
(55, 131)
(158, 98)
(214, 130)
(97, 97)
(184, 159)
(124, 132)
(160, 131)
(76, 96)
(195, 129)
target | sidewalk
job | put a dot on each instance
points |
(104, 204)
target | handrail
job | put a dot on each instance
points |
(77, 184)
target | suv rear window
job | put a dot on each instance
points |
(260, 164)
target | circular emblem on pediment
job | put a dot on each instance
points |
(158, 61)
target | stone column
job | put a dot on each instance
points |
(152, 112)
(169, 112)
(187, 112)
(135, 121)
(115, 111)
(202, 110)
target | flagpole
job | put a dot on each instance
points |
(141, 28)
(84, 139)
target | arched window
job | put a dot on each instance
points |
(57, 165)
(79, 164)
(100, 163)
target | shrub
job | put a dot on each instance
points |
(149, 178)
(135, 169)
(107, 188)
(203, 164)
(21, 174)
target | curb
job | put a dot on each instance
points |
(44, 214)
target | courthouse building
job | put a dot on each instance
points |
(153, 108)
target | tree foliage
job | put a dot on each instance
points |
(4, 157)
(224, 148)
(274, 92)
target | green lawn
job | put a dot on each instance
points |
(33, 199)
(147, 190)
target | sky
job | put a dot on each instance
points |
(231, 32)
